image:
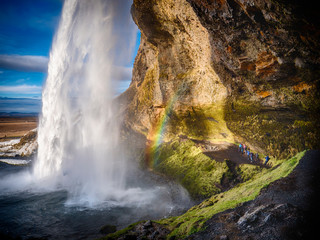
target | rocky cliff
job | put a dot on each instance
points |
(245, 70)
(211, 73)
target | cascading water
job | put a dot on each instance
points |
(78, 131)
(80, 181)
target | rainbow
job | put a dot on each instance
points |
(157, 131)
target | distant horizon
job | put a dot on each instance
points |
(22, 105)
(18, 106)
(27, 29)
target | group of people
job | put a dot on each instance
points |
(245, 150)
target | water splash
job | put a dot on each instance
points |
(80, 180)
(78, 133)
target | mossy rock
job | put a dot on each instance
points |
(202, 176)
(116, 235)
(194, 220)
(108, 229)
(198, 122)
(185, 162)
(279, 132)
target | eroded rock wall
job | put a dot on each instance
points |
(260, 46)
(249, 66)
(173, 65)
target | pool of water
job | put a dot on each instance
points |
(29, 213)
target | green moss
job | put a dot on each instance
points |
(116, 235)
(248, 171)
(201, 123)
(194, 220)
(186, 163)
(200, 175)
(280, 133)
(307, 100)
(303, 124)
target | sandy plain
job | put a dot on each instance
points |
(16, 127)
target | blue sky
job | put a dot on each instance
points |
(26, 31)
(27, 28)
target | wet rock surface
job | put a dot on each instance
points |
(23, 147)
(286, 209)
(146, 230)
(108, 229)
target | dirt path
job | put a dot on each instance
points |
(224, 150)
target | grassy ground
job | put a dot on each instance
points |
(200, 173)
(186, 163)
(194, 220)
(254, 180)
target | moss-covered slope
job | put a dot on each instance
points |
(194, 220)
(186, 163)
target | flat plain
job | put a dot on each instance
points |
(16, 127)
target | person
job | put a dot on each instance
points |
(244, 147)
(240, 147)
(248, 154)
(267, 160)
(257, 157)
(251, 157)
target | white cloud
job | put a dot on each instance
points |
(21, 89)
(24, 63)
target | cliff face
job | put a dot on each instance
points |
(173, 65)
(227, 70)
(214, 71)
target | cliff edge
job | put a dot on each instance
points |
(227, 70)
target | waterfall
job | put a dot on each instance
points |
(78, 134)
